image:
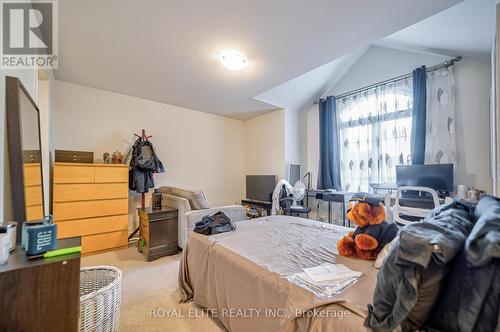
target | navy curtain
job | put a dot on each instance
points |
(329, 146)
(418, 119)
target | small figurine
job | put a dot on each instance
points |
(106, 157)
(117, 157)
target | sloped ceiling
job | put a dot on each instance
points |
(298, 92)
(467, 29)
(164, 50)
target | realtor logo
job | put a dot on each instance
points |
(29, 34)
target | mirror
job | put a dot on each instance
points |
(25, 159)
(32, 161)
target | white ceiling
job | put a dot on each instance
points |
(165, 50)
(466, 29)
(300, 91)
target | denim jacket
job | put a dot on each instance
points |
(470, 301)
(427, 245)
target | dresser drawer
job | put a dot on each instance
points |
(33, 195)
(34, 212)
(89, 209)
(73, 174)
(82, 227)
(32, 175)
(106, 174)
(89, 191)
(69, 156)
(105, 241)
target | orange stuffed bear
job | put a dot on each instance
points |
(372, 233)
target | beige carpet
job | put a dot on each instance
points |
(150, 298)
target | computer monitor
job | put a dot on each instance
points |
(438, 177)
(293, 173)
(260, 187)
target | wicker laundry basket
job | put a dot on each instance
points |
(100, 297)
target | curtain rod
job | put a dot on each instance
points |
(446, 64)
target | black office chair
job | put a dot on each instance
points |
(286, 204)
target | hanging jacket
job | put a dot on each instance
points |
(277, 193)
(143, 164)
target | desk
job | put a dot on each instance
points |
(40, 294)
(329, 197)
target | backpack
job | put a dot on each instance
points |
(216, 224)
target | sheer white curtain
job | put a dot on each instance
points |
(440, 145)
(375, 131)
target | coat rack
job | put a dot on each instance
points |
(144, 137)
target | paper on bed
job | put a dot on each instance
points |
(328, 271)
(326, 279)
(328, 288)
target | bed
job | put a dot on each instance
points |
(241, 277)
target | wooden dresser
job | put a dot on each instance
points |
(33, 191)
(91, 201)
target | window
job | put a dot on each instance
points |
(375, 130)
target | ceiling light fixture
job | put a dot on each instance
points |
(232, 59)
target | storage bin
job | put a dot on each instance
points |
(100, 298)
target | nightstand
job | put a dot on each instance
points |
(158, 232)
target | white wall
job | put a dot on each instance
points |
(295, 139)
(312, 150)
(265, 144)
(495, 101)
(379, 64)
(292, 136)
(472, 80)
(473, 83)
(199, 150)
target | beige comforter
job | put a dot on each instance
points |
(242, 277)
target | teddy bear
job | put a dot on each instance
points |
(373, 231)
